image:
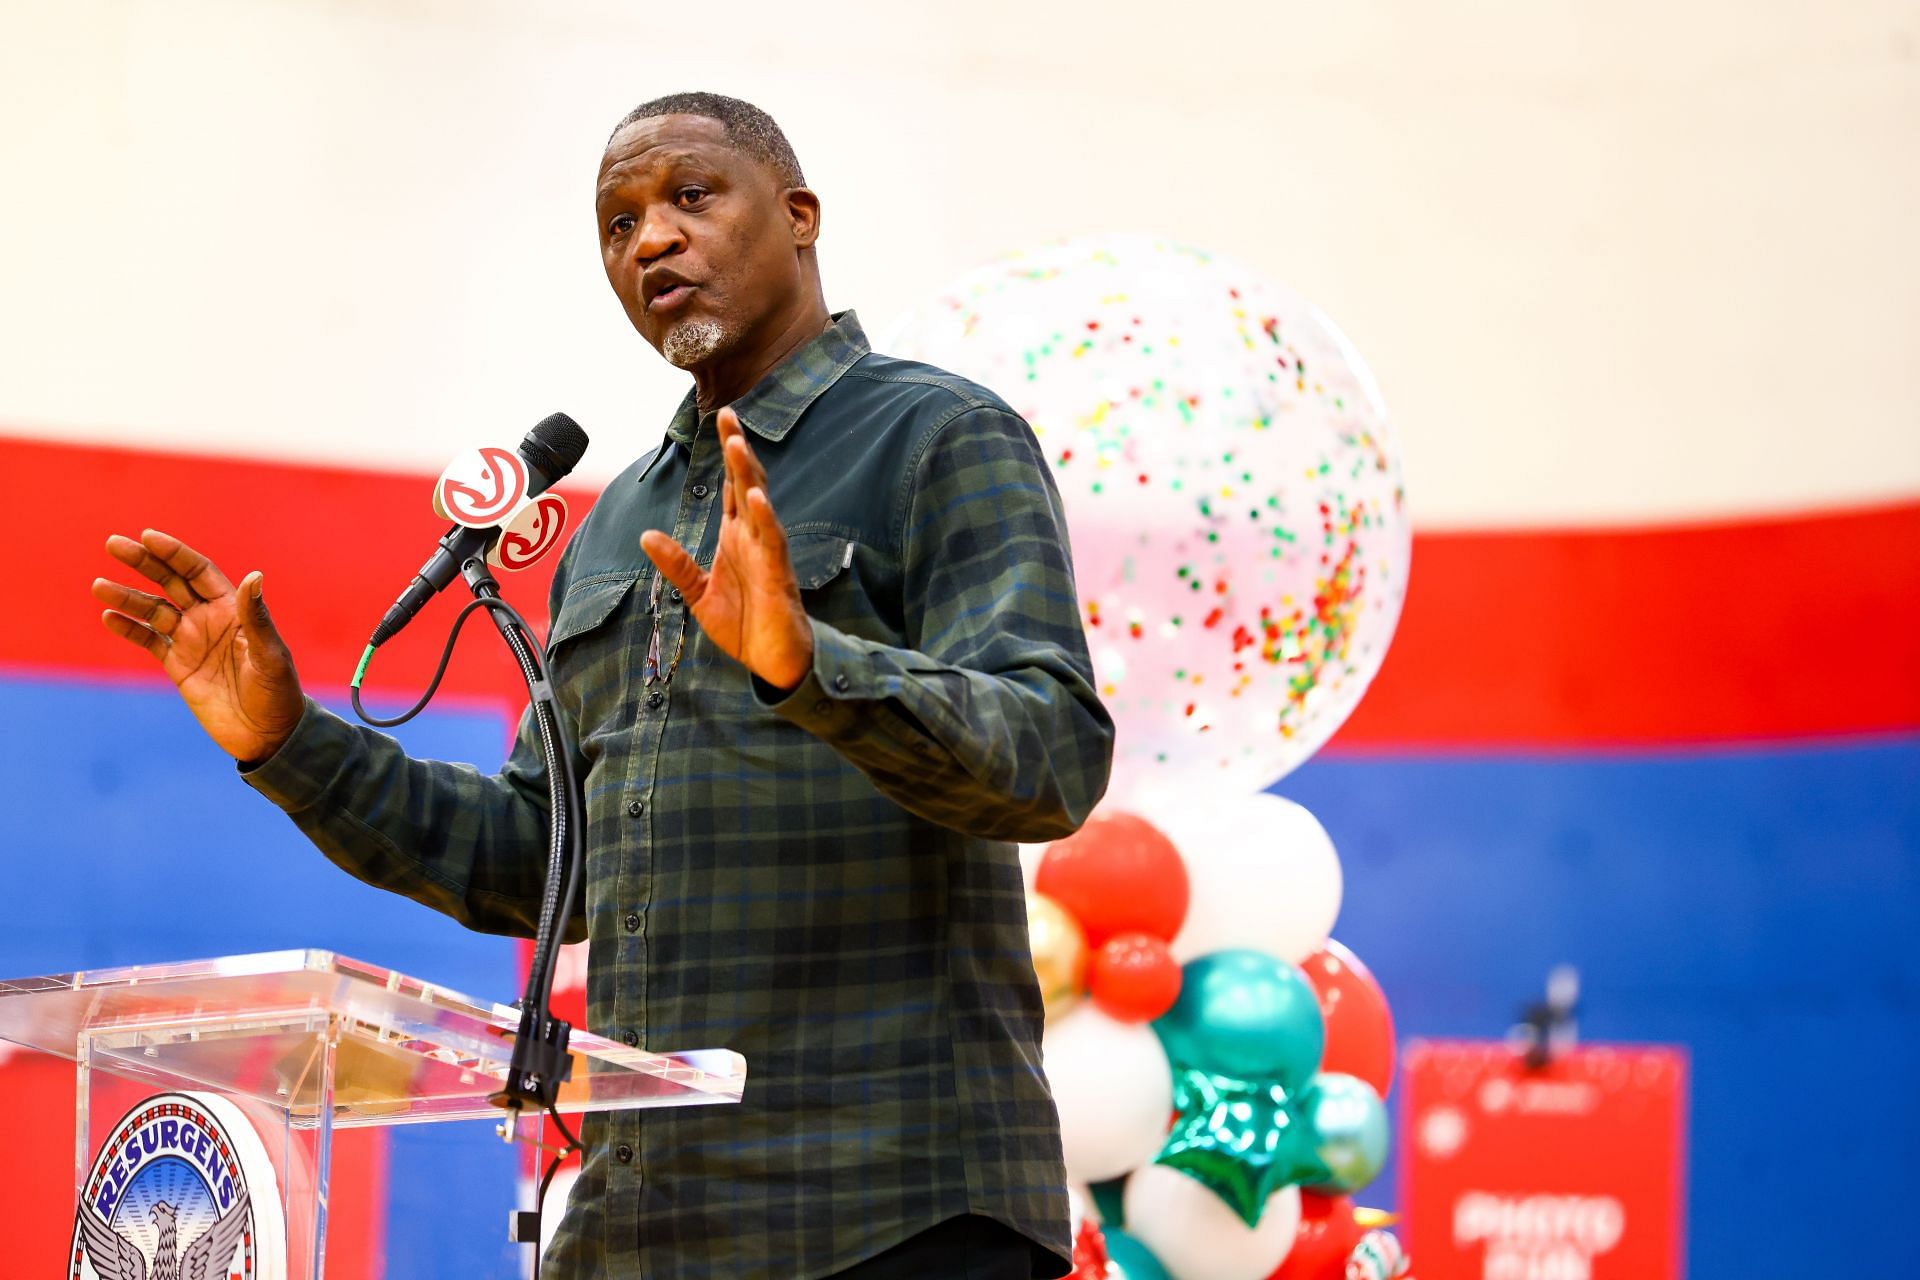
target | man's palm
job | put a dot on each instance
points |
(215, 643)
(748, 602)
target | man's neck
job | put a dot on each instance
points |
(730, 378)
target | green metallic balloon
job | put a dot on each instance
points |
(1344, 1124)
(1135, 1260)
(1234, 1138)
(1247, 1016)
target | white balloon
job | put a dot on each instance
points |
(1262, 874)
(1080, 1208)
(1231, 483)
(1114, 1088)
(1197, 1236)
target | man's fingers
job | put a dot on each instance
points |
(744, 475)
(255, 623)
(766, 524)
(742, 461)
(266, 652)
(150, 609)
(135, 632)
(136, 557)
(200, 573)
(674, 563)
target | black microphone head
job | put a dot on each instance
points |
(554, 446)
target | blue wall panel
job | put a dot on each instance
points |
(129, 839)
(1758, 906)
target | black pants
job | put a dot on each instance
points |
(969, 1248)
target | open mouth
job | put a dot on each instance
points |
(669, 297)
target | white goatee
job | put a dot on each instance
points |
(688, 344)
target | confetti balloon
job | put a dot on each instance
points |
(1232, 491)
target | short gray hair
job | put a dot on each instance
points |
(748, 128)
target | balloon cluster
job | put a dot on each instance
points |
(1270, 1047)
(1240, 538)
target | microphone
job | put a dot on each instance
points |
(549, 452)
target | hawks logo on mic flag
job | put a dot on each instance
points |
(530, 532)
(182, 1187)
(481, 487)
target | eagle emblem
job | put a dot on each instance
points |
(168, 1197)
(118, 1257)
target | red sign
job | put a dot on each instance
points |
(1576, 1171)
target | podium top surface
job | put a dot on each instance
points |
(308, 1032)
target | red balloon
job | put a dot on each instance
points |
(1117, 874)
(1089, 1253)
(1134, 977)
(1325, 1241)
(1359, 1024)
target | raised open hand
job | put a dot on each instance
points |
(215, 643)
(748, 602)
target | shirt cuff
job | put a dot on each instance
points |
(297, 775)
(823, 701)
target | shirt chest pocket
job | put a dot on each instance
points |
(840, 586)
(598, 634)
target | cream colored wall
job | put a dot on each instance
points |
(1610, 262)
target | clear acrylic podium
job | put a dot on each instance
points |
(304, 1042)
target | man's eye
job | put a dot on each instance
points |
(621, 224)
(688, 196)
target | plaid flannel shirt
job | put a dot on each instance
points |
(823, 881)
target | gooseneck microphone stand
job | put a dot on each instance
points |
(540, 1062)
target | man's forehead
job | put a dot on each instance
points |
(658, 139)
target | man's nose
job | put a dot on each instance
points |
(660, 234)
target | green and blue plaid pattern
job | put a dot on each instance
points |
(822, 882)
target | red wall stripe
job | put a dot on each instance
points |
(1771, 628)
(1791, 627)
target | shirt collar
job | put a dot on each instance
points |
(776, 402)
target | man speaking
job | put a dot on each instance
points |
(823, 661)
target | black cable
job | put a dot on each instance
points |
(439, 673)
(546, 1179)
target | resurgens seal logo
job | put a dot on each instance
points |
(182, 1189)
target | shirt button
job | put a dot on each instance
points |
(623, 1153)
(635, 808)
(632, 1039)
(632, 922)
(699, 491)
(673, 593)
(841, 682)
(656, 699)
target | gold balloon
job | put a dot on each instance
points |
(1059, 953)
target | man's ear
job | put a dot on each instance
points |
(803, 215)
